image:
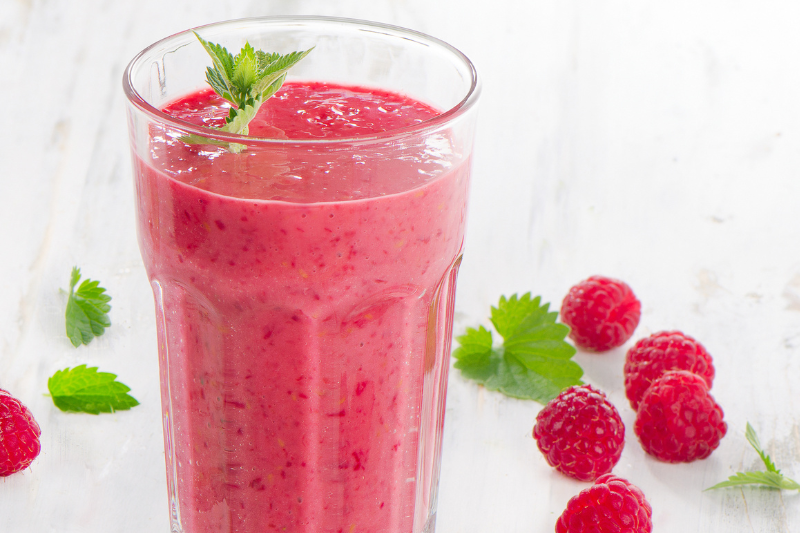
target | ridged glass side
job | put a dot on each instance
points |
(316, 423)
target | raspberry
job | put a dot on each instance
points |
(19, 435)
(678, 421)
(580, 433)
(611, 504)
(601, 313)
(651, 357)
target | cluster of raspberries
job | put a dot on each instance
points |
(667, 380)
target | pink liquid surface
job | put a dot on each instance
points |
(304, 300)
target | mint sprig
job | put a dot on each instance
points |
(86, 390)
(87, 310)
(534, 362)
(247, 80)
(771, 478)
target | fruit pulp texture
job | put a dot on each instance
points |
(304, 302)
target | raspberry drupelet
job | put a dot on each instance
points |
(580, 433)
(612, 504)
(19, 435)
(651, 357)
(602, 313)
(678, 421)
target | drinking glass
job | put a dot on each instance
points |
(304, 288)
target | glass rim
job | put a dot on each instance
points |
(430, 124)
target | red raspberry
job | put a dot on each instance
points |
(611, 504)
(651, 357)
(580, 433)
(19, 435)
(678, 421)
(601, 313)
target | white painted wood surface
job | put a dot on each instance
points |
(657, 142)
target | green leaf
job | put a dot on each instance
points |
(222, 59)
(264, 59)
(86, 390)
(87, 310)
(534, 361)
(245, 69)
(769, 479)
(272, 89)
(474, 357)
(772, 478)
(475, 341)
(276, 69)
(247, 81)
(74, 277)
(511, 313)
(752, 438)
(220, 85)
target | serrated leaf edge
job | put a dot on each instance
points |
(90, 294)
(119, 396)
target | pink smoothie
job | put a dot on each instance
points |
(303, 292)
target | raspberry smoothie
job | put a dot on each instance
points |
(302, 299)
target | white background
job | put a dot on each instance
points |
(657, 142)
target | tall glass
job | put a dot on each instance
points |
(304, 288)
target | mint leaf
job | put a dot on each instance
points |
(752, 438)
(272, 67)
(246, 80)
(534, 361)
(86, 390)
(245, 69)
(476, 359)
(769, 479)
(772, 478)
(219, 77)
(87, 310)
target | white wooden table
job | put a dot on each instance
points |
(657, 142)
